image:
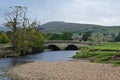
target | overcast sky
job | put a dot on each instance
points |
(103, 12)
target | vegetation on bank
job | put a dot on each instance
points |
(108, 52)
(4, 38)
(24, 35)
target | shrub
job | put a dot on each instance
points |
(4, 38)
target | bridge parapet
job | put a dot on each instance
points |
(63, 44)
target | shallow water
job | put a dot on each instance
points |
(44, 56)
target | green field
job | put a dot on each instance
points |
(108, 46)
(104, 53)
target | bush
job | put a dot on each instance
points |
(31, 42)
(117, 39)
(4, 38)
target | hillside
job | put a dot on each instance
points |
(4, 28)
(58, 26)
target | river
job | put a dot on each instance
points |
(51, 56)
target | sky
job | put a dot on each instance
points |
(101, 12)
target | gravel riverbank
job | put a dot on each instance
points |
(66, 70)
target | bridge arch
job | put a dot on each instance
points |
(71, 47)
(53, 47)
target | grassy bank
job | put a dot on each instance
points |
(104, 53)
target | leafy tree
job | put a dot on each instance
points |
(117, 39)
(113, 35)
(86, 36)
(66, 36)
(30, 43)
(36, 40)
(55, 37)
(80, 33)
(48, 36)
(62, 36)
(4, 38)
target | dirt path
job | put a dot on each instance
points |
(69, 70)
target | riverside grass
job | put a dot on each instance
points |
(103, 53)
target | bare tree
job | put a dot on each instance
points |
(16, 18)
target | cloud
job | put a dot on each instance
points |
(90, 11)
(104, 12)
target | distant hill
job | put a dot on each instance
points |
(58, 26)
(2, 28)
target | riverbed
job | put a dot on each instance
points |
(49, 56)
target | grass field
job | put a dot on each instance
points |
(106, 46)
(104, 53)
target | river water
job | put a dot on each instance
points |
(44, 56)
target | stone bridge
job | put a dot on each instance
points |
(64, 44)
